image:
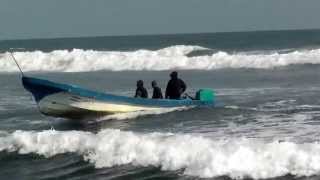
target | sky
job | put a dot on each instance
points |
(24, 19)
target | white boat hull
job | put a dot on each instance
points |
(64, 103)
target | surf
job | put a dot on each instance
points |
(170, 58)
(197, 156)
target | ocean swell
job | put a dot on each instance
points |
(174, 57)
(196, 155)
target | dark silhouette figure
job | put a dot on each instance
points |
(157, 94)
(141, 92)
(175, 87)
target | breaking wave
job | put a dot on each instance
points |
(174, 57)
(195, 155)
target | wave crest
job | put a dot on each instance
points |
(198, 156)
(174, 57)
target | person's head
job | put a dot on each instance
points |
(140, 83)
(174, 75)
(154, 83)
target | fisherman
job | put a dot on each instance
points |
(175, 87)
(157, 94)
(141, 92)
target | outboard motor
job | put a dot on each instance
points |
(205, 95)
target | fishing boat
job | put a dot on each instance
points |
(64, 100)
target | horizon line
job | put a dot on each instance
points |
(160, 34)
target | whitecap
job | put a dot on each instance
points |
(196, 155)
(174, 57)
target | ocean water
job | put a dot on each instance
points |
(265, 126)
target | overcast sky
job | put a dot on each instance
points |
(73, 18)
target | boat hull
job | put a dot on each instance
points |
(70, 105)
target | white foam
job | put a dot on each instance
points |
(132, 115)
(174, 57)
(198, 156)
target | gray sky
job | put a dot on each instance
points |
(73, 18)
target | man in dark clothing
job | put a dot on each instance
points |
(157, 94)
(175, 87)
(141, 92)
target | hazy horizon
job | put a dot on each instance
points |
(169, 34)
(37, 19)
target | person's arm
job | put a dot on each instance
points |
(137, 93)
(158, 93)
(161, 97)
(153, 94)
(183, 86)
(167, 90)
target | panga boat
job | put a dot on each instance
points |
(63, 100)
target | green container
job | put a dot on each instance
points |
(205, 95)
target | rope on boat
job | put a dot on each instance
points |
(15, 60)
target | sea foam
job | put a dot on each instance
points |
(174, 57)
(135, 114)
(195, 155)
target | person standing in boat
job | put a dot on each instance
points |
(175, 87)
(141, 92)
(157, 94)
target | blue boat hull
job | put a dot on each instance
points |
(56, 99)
